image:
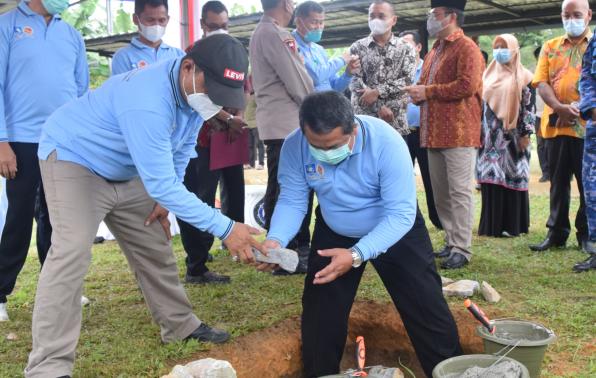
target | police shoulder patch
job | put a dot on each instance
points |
(291, 43)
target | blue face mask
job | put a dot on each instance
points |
(574, 26)
(502, 56)
(314, 35)
(55, 6)
(332, 157)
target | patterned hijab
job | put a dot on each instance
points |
(503, 84)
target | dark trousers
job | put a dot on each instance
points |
(542, 152)
(420, 153)
(203, 182)
(565, 155)
(408, 272)
(26, 201)
(256, 148)
(272, 193)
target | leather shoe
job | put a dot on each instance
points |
(586, 265)
(547, 244)
(544, 179)
(445, 252)
(207, 278)
(207, 334)
(456, 261)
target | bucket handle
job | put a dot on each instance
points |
(511, 348)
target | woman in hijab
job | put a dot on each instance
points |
(503, 167)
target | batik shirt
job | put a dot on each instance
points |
(389, 69)
(560, 65)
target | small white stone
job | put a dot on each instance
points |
(446, 281)
(179, 371)
(12, 336)
(462, 288)
(489, 293)
(211, 368)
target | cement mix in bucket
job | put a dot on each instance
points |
(505, 369)
(537, 333)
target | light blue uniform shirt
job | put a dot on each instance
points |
(136, 124)
(322, 70)
(139, 55)
(42, 67)
(371, 195)
(413, 110)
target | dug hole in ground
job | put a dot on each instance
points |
(275, 351)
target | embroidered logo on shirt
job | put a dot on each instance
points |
(314, 171)
(233, 75)
(142, 64)
(21, 32)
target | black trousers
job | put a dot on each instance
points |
(565, 155)
(203, 183)
(272, 193)
(26, 201)
(256, 148)
(420, 153)
(408, 272)
(542, 152)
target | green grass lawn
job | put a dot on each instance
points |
(118, 338)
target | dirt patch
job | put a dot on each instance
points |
(275, 351)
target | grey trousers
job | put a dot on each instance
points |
(78, 201)
(451, 173)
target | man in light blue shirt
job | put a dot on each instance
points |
(360, 171)
(118, 154)
(43, 65)
(151, 16)
(413, 138)
(310, 22)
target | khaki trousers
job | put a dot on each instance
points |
(78, 201)
(451, 173)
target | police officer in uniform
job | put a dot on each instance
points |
(280, 81)
(359, 167)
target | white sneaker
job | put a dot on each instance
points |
(3, 313)
(85, 301)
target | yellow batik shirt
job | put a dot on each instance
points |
(560, 66)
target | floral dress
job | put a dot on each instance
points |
(500, 161)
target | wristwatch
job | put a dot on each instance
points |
(356, 259)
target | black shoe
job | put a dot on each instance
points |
(207, 278)
(586, 265)
(207, 334)
(445, 252)
(456, 261)
(64, 376)
(209, 257)
(98, 240)
(544, 179)
(547, 244)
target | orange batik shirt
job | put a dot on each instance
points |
(560, 66)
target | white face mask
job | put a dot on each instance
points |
(215, 32)
(201, 103)
(152, 33)
(434, 26)
(378, 26)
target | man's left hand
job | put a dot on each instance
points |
(417, 93)
(341, 263)
(386, 114)
(161, 215)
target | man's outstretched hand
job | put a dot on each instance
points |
(341, 263)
